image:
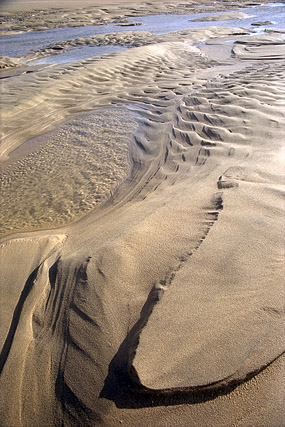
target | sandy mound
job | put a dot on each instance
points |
(265, 46)
(6, 62)
(22, 15)
(168, 294)
(223, 17)
(36, 250)
(226, 322)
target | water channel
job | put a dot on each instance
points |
(20, 44)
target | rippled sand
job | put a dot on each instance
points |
(142, 257)
(77, 167)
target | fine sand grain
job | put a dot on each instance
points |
(142, 227)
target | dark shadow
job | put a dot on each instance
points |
(122, 385)
(118, 385)
(72, 407)
(74, 410)
(124, 388)
(16, 317)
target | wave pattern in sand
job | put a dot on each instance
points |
(174, 287)
(77, 168)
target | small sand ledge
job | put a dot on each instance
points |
(268, 46)
(7, 62)
(142, 254)
(224, 17)
(16, 18)
(127, 39)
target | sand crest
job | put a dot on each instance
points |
(142, 247)
(224, 17)
(265, 46)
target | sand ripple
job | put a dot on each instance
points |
(76, 169)
(174, 288)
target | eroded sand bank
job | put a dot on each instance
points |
(142, 249)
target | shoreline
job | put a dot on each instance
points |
(17, 4)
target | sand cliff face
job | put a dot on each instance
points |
(162, 288)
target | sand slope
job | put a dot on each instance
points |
(147, 309)
(222, 310)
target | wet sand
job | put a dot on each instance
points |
(142, 230)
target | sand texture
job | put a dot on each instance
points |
(269, 46)
(226, 16)
(44, 14)
(142, 229)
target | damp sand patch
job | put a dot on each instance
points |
(71, 170)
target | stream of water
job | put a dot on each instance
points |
(20, 44)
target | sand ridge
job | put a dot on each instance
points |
(16, 16)
(60, 86)
(151, 308)
(270, 46)
(124, 39)
(233, 178)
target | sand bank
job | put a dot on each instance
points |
(125, 39)
(30, 16)
(142, 241)
(269, 46)
(224, 17)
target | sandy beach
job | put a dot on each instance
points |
(142, 217)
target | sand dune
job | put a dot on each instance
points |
(37, 251)
(142, 237)
(65, 86)
(241, 311)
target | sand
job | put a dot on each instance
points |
(142, 227)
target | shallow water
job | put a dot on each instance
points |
(77, 54)
(80, 163)
(160, 24)
(21, 44)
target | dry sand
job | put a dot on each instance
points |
(142, 231)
